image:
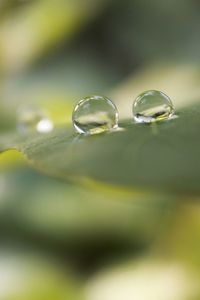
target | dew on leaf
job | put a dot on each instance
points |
(152, 106)
(95, 114)
(32, 119)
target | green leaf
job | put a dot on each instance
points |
(161, 156)
(33, 276)
(8, 141)
(40, 26)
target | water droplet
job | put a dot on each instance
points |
(95, 114)
(44, 126)
(152, 106)
(32, 119)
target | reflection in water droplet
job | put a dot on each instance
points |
(152, 106)
(32, 119)
(95, 114)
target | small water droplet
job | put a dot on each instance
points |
(152, 106)
(95, 114)
(44, 126)
(32, 119)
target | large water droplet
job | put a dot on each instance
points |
(152, 106)
(32, 119)
(95, 114)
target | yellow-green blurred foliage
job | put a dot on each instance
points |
(60, 241)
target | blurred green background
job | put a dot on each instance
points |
(95, 241)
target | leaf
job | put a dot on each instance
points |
(8, 141)
(33, 276)
(40, 26)
(162, 156)
(64, 212)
